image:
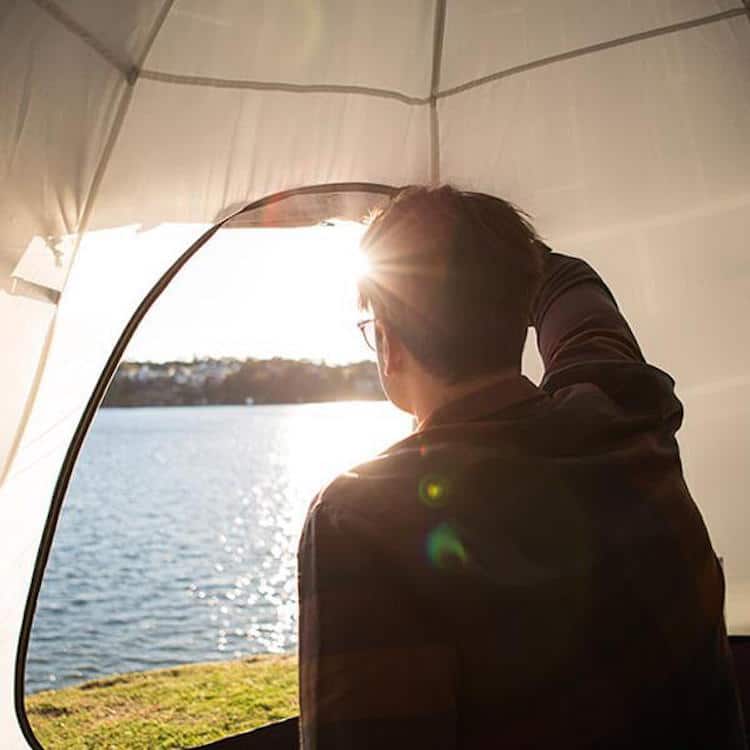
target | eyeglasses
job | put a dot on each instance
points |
(367, 328)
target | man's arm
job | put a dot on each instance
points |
(371, 673)
(577, 320)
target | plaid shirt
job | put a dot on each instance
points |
(527, 570)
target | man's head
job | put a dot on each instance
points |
(451, 281)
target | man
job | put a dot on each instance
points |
(527, 569)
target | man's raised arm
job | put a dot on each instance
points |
(577, 320)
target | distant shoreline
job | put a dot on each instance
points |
(227, 382)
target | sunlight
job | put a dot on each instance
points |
(262, 293)
(334, 260)
(360, 264)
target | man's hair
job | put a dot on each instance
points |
(454, 273)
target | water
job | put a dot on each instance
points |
(177, 541)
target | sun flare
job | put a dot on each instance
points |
(360, 264)
(338, 259)
(260, 293)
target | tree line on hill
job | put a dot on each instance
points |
(231, 381)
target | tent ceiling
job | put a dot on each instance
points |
(538, 31)
(122, 31)
(633, 134)
(201, 130)
(335, 43)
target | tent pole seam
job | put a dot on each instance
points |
(233, 83)
(55, 12)
(117, 124)
(437, 64)
(119, 118)
(582, 51)
(158, 23)
(134, 71)
(294, 88)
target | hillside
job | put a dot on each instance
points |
(230, 381)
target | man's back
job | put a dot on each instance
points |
(526, 570)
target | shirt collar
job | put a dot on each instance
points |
(488, 399)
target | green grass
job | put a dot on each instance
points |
(166, 708)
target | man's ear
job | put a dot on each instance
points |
(392, 351)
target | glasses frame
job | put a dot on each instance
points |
(362, 325)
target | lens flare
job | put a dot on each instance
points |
(445, 549)
(433, 491)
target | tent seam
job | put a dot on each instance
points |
(55, 12)
(296, 88)
(600, 47)
(437, 64)
(156, 28)
(122, 111)
(235, 83)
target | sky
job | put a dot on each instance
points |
(262, 293)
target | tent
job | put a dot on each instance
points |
(622, 128)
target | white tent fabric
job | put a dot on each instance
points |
(621, 127)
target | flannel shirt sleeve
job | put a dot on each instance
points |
(577, 319)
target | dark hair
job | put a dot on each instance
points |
(454, 273)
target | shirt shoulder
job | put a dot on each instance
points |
(382, 502)
(355, 499)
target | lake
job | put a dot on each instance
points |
(177, 542)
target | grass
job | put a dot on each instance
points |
(166, 708)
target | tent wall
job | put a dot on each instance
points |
(621, 127)
(632, 135)
(47, 160)
(59, 102)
